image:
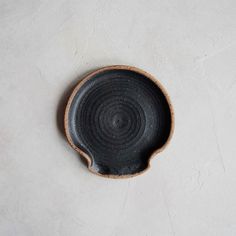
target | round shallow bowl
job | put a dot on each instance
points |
(117, 118)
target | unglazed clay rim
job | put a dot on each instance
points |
(76, 89)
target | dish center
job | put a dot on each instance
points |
(119, 120)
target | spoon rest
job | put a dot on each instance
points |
(117, 118)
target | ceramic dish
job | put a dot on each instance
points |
(117, 118)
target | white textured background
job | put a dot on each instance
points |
(189, 45)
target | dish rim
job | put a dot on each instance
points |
(86, 156)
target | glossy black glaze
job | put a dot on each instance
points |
(119, 118)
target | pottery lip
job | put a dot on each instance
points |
(77, 88)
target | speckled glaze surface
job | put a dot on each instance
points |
(117, 118)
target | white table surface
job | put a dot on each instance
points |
(46, 46)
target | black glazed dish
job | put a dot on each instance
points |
(118, 118)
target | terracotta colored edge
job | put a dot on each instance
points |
(76, 89)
